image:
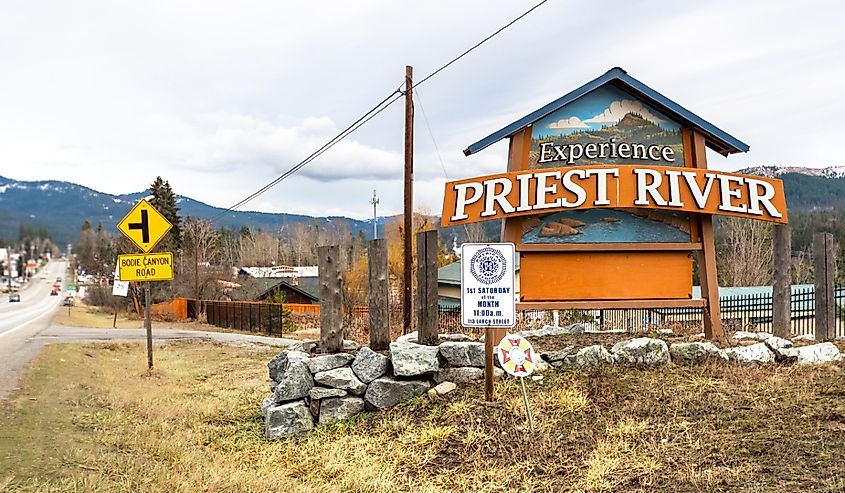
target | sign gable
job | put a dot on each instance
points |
(605, 126)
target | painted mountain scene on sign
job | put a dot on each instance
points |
(607, 226)
(606, 126)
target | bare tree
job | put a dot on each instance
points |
(259, 249)
(745, 252)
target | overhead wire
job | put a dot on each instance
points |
(434, 141)
(369, 115)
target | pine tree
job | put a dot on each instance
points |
(164, 200)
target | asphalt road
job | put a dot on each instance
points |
(35, 303)
(26, 327)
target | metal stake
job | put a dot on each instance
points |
(527, 407)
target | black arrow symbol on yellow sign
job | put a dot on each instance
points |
(144, 226)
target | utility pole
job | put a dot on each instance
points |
(374, 201)
(407, 308)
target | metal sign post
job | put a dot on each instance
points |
(488, 295)
(145, 226)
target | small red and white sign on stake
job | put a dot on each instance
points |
(517, 358)
(516, 355)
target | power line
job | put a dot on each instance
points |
(375, 110)
(488, 38)
(369, 115)
(430, 133)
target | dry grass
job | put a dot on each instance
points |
(86, 316)
(90, 419)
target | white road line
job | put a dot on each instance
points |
(48, 312)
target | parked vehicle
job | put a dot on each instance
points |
(68, 301)
(14, 297)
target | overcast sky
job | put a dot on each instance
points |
(220, 97)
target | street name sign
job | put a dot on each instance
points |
(488, 297)
(146, 266)
(145, 226)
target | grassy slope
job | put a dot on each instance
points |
(90, 419)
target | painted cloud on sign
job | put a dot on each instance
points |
(618, 109)
(571, 122)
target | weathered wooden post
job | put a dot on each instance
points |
(379, 312)
(427, 332)
(782, 288)
(824, 267)
(331, 299)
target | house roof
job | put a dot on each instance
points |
(716, 139)
(280, 271)
(265, 285)
(451, 273)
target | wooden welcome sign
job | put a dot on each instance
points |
(607, 196)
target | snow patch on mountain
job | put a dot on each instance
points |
(775, 171)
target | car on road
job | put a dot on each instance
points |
(54, 292)
(14, 297)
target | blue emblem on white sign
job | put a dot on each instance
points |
(488, 265)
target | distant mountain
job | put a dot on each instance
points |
(61, 208)
(807, 189)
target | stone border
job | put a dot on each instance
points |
(318, 389)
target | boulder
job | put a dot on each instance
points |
(444, 388)
(755, 336)
(292, 418)
(697, 337)
(318, 393)
(595, 355)
(463, 353)
(666, 332)
(304, 346)
(804, 338)
(753, 355)
(385, 392)
(409, 337)
(329, 362)
(266, 404)
(295, 383)
(691, 353)
(350, 345)
(339, 408)
(279, 364)
(369, 365)
(411, 359)
(553, 330)
(777, 344)
(465, 374)
(341, 378)
(642, 351)
(454, 337)
(558, 358)
(825, 352)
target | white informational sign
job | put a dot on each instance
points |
(120, 288)
(487, 285)
(516, 355)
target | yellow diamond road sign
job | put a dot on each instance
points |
(144, 225)
(146, 266)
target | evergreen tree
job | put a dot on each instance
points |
(164, 200)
